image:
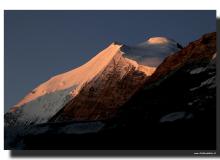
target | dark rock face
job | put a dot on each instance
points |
(174, 109)
(101, 98)
(179, 109)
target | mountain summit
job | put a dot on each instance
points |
(159, 40)
(152, 51)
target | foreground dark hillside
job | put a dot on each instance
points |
(177, 106)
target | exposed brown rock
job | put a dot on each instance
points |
(201, 49)
(102, 97)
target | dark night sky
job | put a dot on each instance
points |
(41, 44)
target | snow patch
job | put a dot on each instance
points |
(214, 55)
(210, 83)
(197, 70)
(176, 116)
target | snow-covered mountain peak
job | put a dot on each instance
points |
(102, 71)
(75, 77)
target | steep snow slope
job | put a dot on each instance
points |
(152, 51)
(50, 97)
